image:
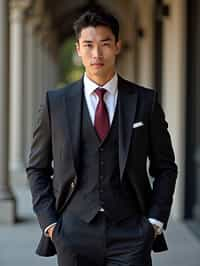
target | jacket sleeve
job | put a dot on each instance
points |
(39, 169)
(162, 165)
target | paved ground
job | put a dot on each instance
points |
(17, 243)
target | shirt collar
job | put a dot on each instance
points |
(110, 86)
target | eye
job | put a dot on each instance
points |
(88, 45)
(106, 44)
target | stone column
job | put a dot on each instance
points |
(174, 89)
(7, 200)
(40, 70)
(30, 83)
(145, 37)
(16, 85)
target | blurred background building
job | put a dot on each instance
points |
(161, 40)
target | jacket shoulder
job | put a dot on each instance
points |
(62, 91)
(144, 93)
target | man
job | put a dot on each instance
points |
(96, 205)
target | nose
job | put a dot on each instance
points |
(97, 52)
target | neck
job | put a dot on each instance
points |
(101, 80)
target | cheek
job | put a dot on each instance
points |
(85, 58)
(110, 58)
(110, 54)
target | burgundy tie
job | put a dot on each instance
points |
(101, 121)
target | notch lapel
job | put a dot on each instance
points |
(73, 107)
(127, 110)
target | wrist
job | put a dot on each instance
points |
(47, 228)
(157, 229)
(50, 231)
(157, 225)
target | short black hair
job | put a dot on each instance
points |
(94, 18)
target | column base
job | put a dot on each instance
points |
(8, 211)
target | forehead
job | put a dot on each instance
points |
(98, 33)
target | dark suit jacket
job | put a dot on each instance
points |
(57, 138)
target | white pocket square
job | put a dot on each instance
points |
(138, 124)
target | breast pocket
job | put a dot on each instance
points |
(137, 130)
(139, 136)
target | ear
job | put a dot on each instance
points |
(78, 48)
(118, 46)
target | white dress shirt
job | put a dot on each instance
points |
(110, 99)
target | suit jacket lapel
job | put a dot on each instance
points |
(127, 109)
(73, 105)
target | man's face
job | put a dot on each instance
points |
(98, 48)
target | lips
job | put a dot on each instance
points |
(98, 64)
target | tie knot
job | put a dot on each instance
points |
(100, 92)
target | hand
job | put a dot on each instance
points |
(50, 231)
(156, 230)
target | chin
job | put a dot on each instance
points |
(99, 73)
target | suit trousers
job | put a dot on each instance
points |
(102, 242)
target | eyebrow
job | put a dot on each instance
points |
(104, 40)
(87, 41)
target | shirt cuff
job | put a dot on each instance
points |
(158, 223)
(47, 228)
